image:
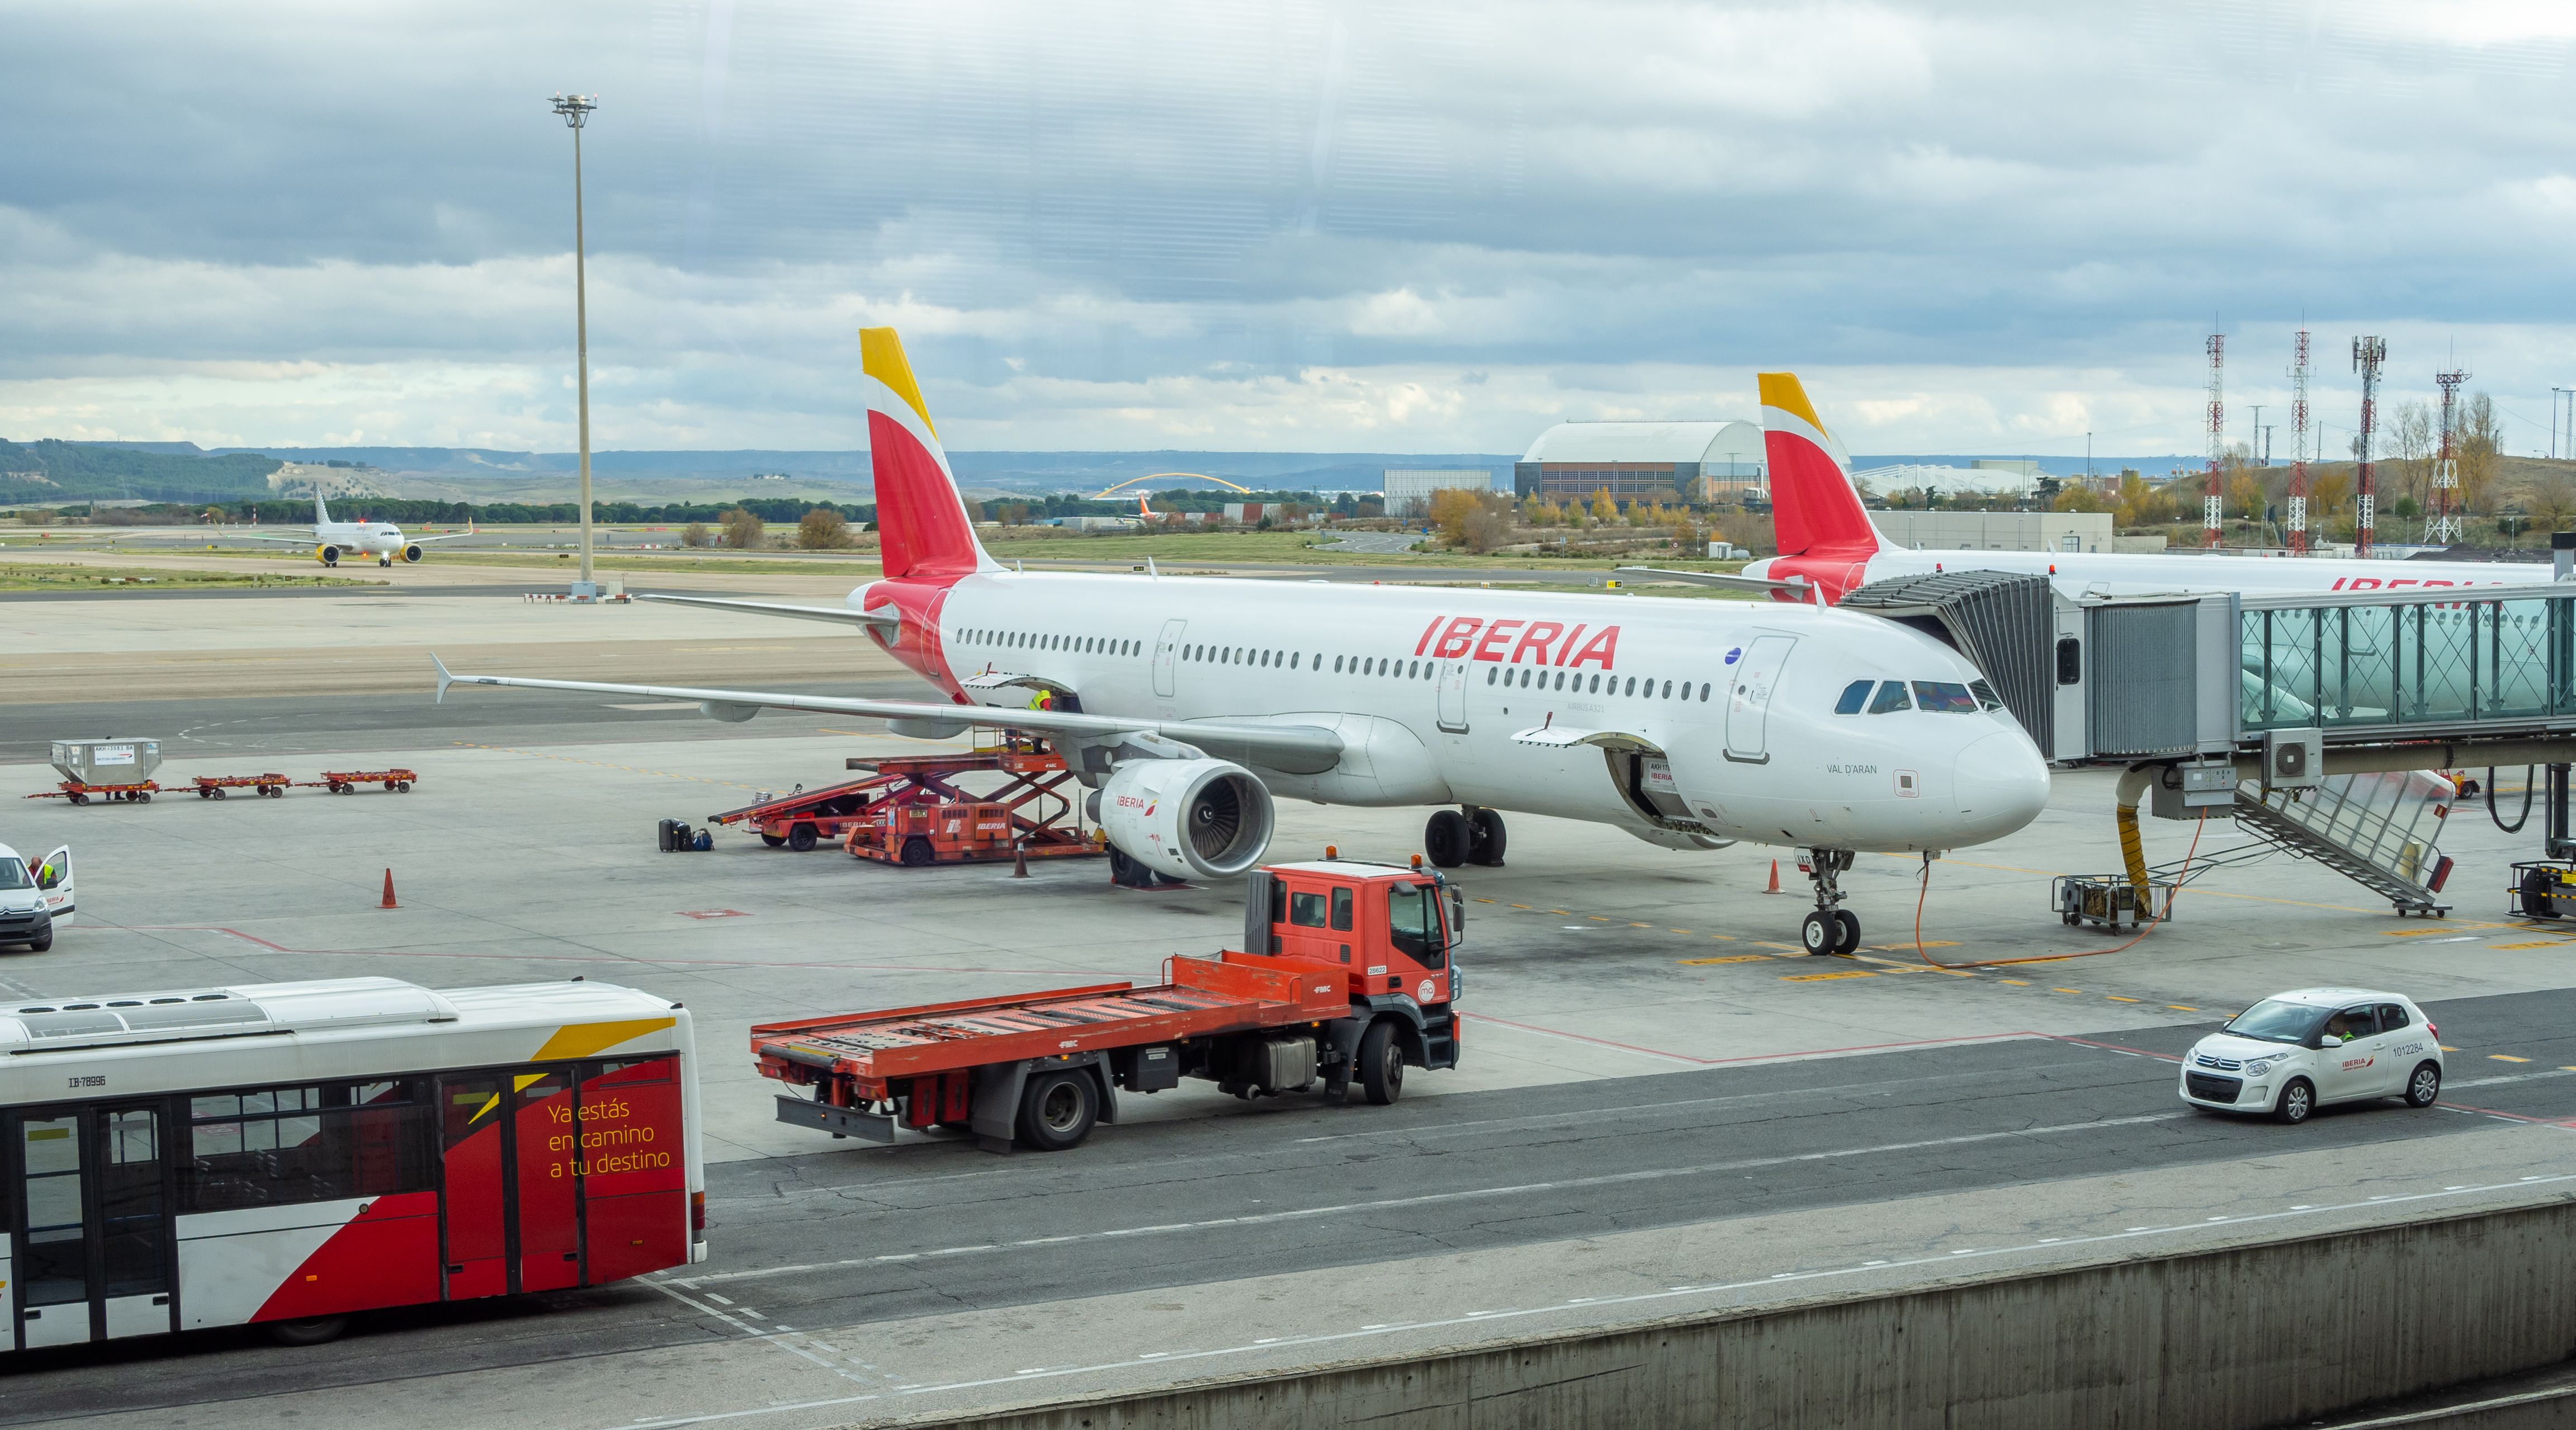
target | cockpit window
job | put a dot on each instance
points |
(1855, 695)
(1891, 696)
(1986, 695)
(1946, 696)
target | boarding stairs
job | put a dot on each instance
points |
(2378, 830)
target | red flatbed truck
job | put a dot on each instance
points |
(1348, 975)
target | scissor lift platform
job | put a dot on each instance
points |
(911, 810)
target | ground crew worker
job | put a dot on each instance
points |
(1043, 700)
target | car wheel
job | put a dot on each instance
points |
(42, 941)
(1058, 1110)
(1818, 934)
(2298, 1099)
(307, 1331)
(1381, 1064)
(2424, 1088)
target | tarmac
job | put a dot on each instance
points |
(1661, 1103)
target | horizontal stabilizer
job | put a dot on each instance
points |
(842, 614)
(1762, 584)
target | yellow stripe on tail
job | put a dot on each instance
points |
(881, 357)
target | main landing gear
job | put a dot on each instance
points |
(1468, 836)
(1831, 929)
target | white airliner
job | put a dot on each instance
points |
(1828, 544)
(382, 540)
(1188, 705)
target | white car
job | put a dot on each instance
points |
(2295, 1052)
(35, 898)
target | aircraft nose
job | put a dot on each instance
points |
(2002, 784)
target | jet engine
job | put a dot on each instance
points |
(327, 555)
(411, 551)
(1206, 819)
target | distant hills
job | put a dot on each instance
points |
(183, 471)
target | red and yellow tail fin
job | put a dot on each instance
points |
(922, 524)
(1815, 509)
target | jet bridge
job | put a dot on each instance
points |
(2273, 709)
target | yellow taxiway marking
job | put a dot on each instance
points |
(1683, 932)
(2445, 1047)
(1520, 906)
(2066, 990)
(1647, 926)
(2182, 1007)
(1730, 958)
(2505, 1058)
(2116, 998)
(2543, 943)
(2018, 982)
(1788, 947)
(1821, 977)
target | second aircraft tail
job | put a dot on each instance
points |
(922, 524)
(1815, 508)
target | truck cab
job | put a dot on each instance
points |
(1389, 932)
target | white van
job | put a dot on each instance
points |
(35, 898)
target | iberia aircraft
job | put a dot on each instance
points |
(1829, 546)
(382, 540)
(1189, 705)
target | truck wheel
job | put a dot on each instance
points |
(1381, 1064)
(80, 799)
(1058, 1111)
(772, 840)
(1444, 839)
(918, 854)
(800, 838)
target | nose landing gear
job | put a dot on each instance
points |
(1831, 929)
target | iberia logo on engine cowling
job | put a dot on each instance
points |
(1518, 642)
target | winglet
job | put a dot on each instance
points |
(444, 678)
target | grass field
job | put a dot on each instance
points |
(110, 578)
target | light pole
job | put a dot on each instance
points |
(2553, 420)
(576, 108)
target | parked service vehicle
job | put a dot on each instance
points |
(1346, 977)
(35, 898)
(2295, 1052)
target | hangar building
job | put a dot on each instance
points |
(1697, 461)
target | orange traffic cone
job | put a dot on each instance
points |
(389, 892)
(1775, 879)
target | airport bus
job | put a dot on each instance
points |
(285, 1154)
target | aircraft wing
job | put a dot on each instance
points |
(307, 540)
(1763, 584)
(447, 536)
(842, 614)
(1296, 749)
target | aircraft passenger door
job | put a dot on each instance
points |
(1453, 696)
(54, 879)
(1748, 703)
(92, 1226)
(1167, 657)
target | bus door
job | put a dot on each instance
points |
(473, 1161)
(634, 1168)
(91, 1222)
(548, 1215)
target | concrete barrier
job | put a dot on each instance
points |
(2270, 1333)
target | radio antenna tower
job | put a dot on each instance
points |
(2297, 531)
(2211, 507)
(2445, 526)
(2367, 355)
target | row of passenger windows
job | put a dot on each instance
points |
(1944, 696)
(1631, 687)
(1044, 640)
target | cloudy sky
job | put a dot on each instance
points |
(1973, 227)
